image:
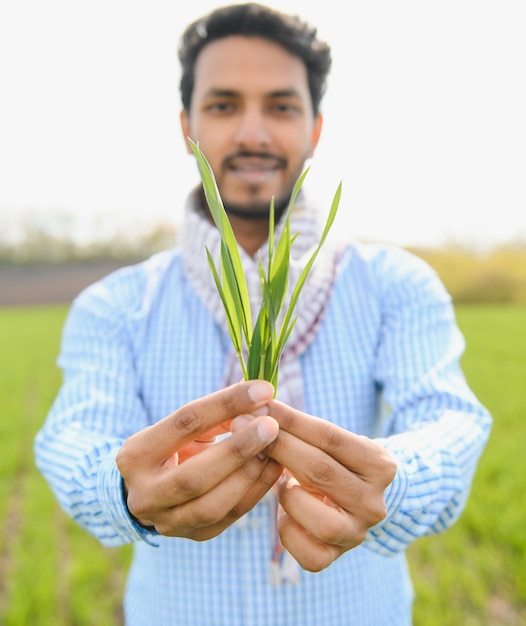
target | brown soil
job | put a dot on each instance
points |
(25, 285)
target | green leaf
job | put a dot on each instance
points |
(305, 272)
(279, 346)
(264, 345)
(233, 323)
(233, 296)
(257, 352)
(218, 213)
(278, 274)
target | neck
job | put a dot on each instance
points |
(250, 234)
(250, 228)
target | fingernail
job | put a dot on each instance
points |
(259, 391)
(278, 482)
(263, 410)
(238, 422)
(267, 430)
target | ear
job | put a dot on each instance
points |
(316, 133)
(185, 129)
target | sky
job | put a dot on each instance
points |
(424, 118)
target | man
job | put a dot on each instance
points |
(246, 509)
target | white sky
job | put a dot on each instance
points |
(425, 119)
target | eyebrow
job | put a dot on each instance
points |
(216, 92)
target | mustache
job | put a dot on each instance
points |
(249, 154)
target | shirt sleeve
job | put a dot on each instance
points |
(96, 409)
(437, 427)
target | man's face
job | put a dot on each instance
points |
(251, 114)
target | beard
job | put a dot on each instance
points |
(257, 211)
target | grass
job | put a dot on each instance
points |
(51, 572)
(54, 574)
(476, 571)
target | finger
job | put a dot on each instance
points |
(207, 516)
(200, 444)
(161, 440)
(203, 472)
(314, 468)
(356, 452)
(312, 555)
(321, 518)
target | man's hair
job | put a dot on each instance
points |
(256, 20)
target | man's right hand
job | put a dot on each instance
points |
(202, 496)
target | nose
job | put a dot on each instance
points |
(253, 128)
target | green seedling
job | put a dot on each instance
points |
(258, 346)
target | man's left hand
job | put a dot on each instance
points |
(332, 490)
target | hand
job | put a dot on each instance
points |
(218, 482)
(332, 490)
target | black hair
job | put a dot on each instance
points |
(256, 20)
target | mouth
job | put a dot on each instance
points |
(254, 169)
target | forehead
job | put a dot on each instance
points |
(248, 64)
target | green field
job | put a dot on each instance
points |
(53, 574)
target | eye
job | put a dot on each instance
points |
(220, 107)
(285, 109)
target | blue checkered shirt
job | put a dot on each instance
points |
(385, 363)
